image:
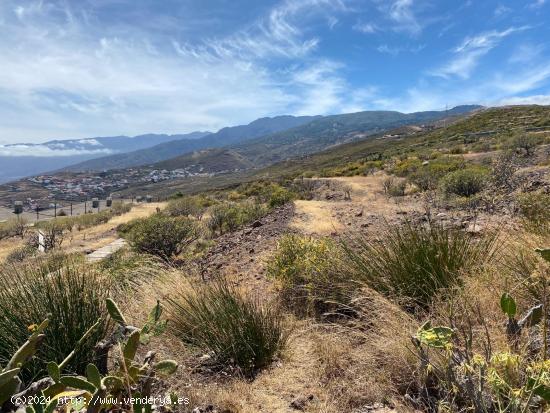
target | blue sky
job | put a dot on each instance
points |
(83, 68)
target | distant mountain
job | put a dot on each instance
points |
(167, 150)
(322, 133)
(25, 159)
(327, 131)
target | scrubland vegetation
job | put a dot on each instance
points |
(419, 313)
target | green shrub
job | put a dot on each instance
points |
(188, 206)
(231, 216)
(160, 235)
(524, 143)
(535, 210)
(309, 280)
(397, 188)
(280, 196)
(270, 193)
(464, 182)
(73, 295)
(236, 329)
(427, 176)
(407, 166)
(412, 262)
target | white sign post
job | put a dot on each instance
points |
(41, 246)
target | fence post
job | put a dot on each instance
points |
(55, 209)
(71, 209)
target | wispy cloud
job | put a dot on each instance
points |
(526, 53)
(70, 76)
(278, 34)
(48, 151)
(402, 13)
(537, 4)
(368, 28)
(396, 50)
(471, 50)
(502, 10)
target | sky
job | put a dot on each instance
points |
(85, 68)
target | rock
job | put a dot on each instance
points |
(256, 224)
(300, 403)
(441, 215)
(474, 228)
(205, 357)
(401, 212)
(425, 163)
(359, 214)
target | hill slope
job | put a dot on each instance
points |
(208, 160)
(322, 133)
(167, 150)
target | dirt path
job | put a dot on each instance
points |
(367, 208)
(99, 236)
(90, 239)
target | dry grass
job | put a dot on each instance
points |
(315, 217)
(91, 238)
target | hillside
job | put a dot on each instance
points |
(223, 137)
(351, 280)
(209, 160)
(270, 140)
(335, 130)
(478, 132)
(474, 132)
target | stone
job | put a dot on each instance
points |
(256, 224)
(474, 228)
(300, 403)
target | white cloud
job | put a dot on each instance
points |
(401, 12)
(278, 34)
(537, 4)
(525, 100)
(395, 50)
(526, 53)
(47, 151)
(471, 50)
(502, 10)
(368, 28)
(71, 76)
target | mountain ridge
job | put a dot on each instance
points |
(167, 150)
